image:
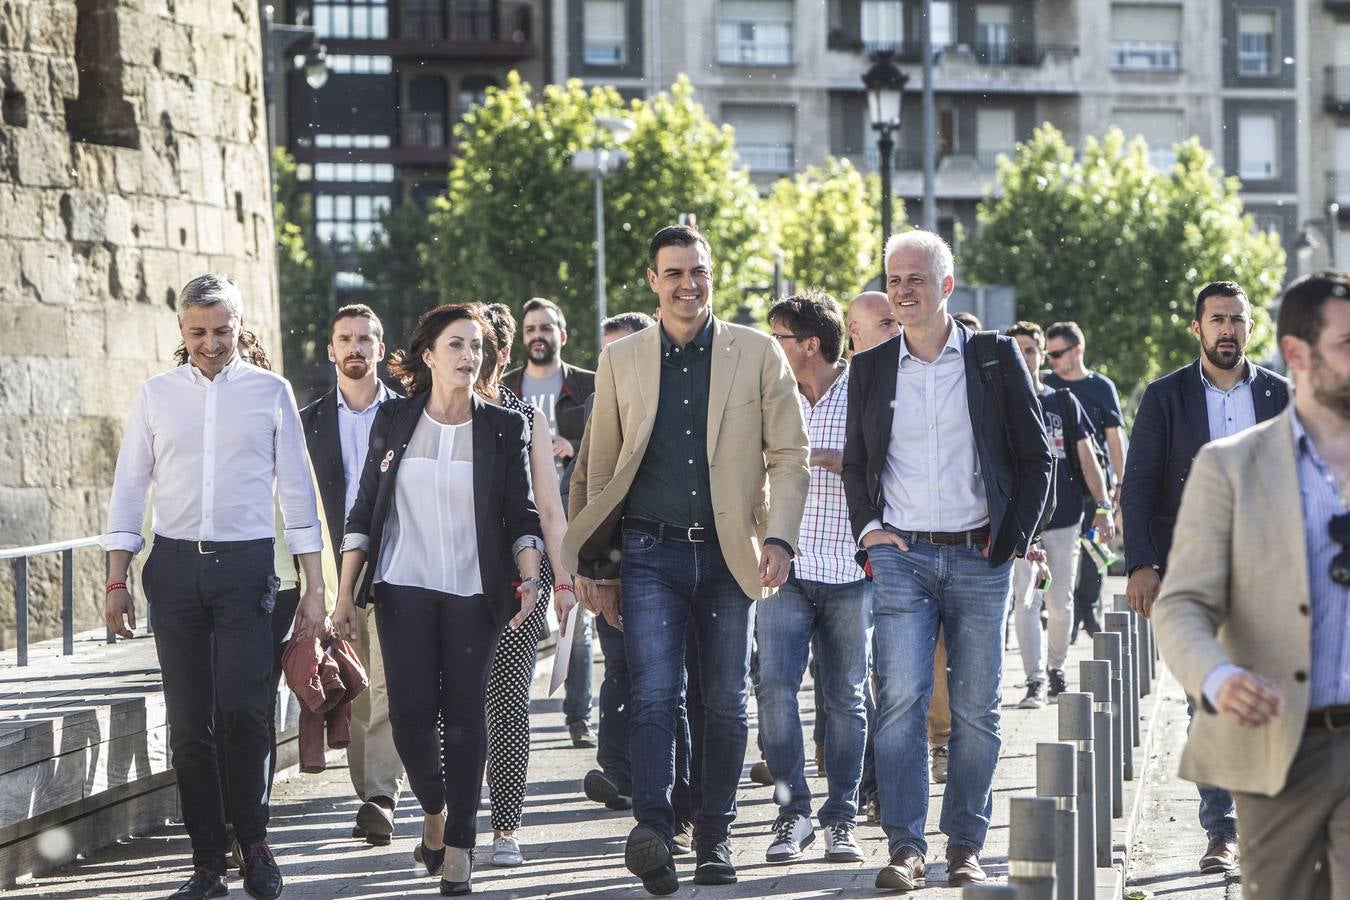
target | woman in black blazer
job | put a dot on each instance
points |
(443, 522)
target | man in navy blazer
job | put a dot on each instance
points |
(337, 433)
(1218, 395)
(946, 472)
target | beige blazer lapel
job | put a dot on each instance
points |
(1276, 471)
(721, 376)
(647, 361)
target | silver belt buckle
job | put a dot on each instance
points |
(202, 552)
(689, 535)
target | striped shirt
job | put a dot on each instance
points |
(1329, 601)
(825, 548)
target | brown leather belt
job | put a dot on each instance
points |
(1331, 718)
(976, 538)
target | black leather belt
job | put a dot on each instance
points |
(205, 547)
(694, 535)
(976, 538)
(1332, 718)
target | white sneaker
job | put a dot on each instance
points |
(791, 835)
(506, 852)
(841, 844)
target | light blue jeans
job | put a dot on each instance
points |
(914, 592)
(840, 616)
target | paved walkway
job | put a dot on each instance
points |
(573, 847)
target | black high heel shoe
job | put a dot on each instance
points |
(432, 859)
(455, 888)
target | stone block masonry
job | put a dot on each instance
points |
(133, 154)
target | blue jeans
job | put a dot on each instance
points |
(577, 687)
(913, 593)
(669, 587)
(1218, 813)
(839, 616)
(615, 709)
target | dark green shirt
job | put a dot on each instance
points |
(671, 485)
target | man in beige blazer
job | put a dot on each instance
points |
(1253, 611)
(696, 476)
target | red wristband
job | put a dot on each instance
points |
(117, 586)
(563, 587)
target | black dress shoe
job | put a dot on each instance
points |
(601, 788)
(262, 878)
(647, 855)
(714, 865)
(375, 822)
(204, 883)
(432, 859)
(460, 872)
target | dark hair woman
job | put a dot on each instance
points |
(508, 707)
(443, 520)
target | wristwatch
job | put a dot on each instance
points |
(1104, 506)
(534, 581)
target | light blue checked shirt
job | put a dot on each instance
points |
(1232, 410)
(1329, 602)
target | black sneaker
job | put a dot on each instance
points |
(1035, 697)
(1057, 684)
(262, 878)
(205, 882)
(714, 865)
(647, 855)
(602, 788)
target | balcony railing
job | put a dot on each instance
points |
(1257, 169)
(766, 157)
(1011, 53)
(603, 52)
(903, 159)
(988, 158)
(1338, 89)
(754, 42)
(425, 130)
(1146, 56)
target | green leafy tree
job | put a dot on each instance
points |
(304, 274)
(517, 221)
(1121, 248)
(827, 223)
(397, 270)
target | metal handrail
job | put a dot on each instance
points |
(20, 556)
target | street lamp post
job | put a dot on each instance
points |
(885, 85)
(298, 42)
(600, 163)
(1306, 242)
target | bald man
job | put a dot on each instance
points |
(870, 321)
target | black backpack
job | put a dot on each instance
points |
(987, 358)
(1067, 402)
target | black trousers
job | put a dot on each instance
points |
(282, 616)
(213, 633)
(437, 655)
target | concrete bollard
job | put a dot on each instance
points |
(1095, 677)
(989, 892)
(1141, 638)
(1057, 779)
(1031, 848)
(1119, 624)
(1106, 646)
(1075, 726)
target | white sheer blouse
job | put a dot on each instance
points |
(431, 540)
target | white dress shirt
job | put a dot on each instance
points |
(212, 449)
(354, 440)
(932, 479)
(438, 548)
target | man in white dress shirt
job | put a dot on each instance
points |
(212, 437)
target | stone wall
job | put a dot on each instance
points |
(133, 156)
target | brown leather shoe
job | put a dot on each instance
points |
(963, 866)
(1221, 855)
(905, 872)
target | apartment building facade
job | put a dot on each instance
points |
(1328, 146)
(787, 76)
(402, 72)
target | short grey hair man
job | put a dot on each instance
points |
(944, 266)
(210, 289)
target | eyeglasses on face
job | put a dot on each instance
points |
(1056, 354)
(792, 337)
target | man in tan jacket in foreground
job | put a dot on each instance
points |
(1254, 608)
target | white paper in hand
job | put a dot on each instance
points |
(562, 655)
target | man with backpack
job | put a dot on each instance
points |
(946, 471)
(1078, 476)
(1218, 395)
